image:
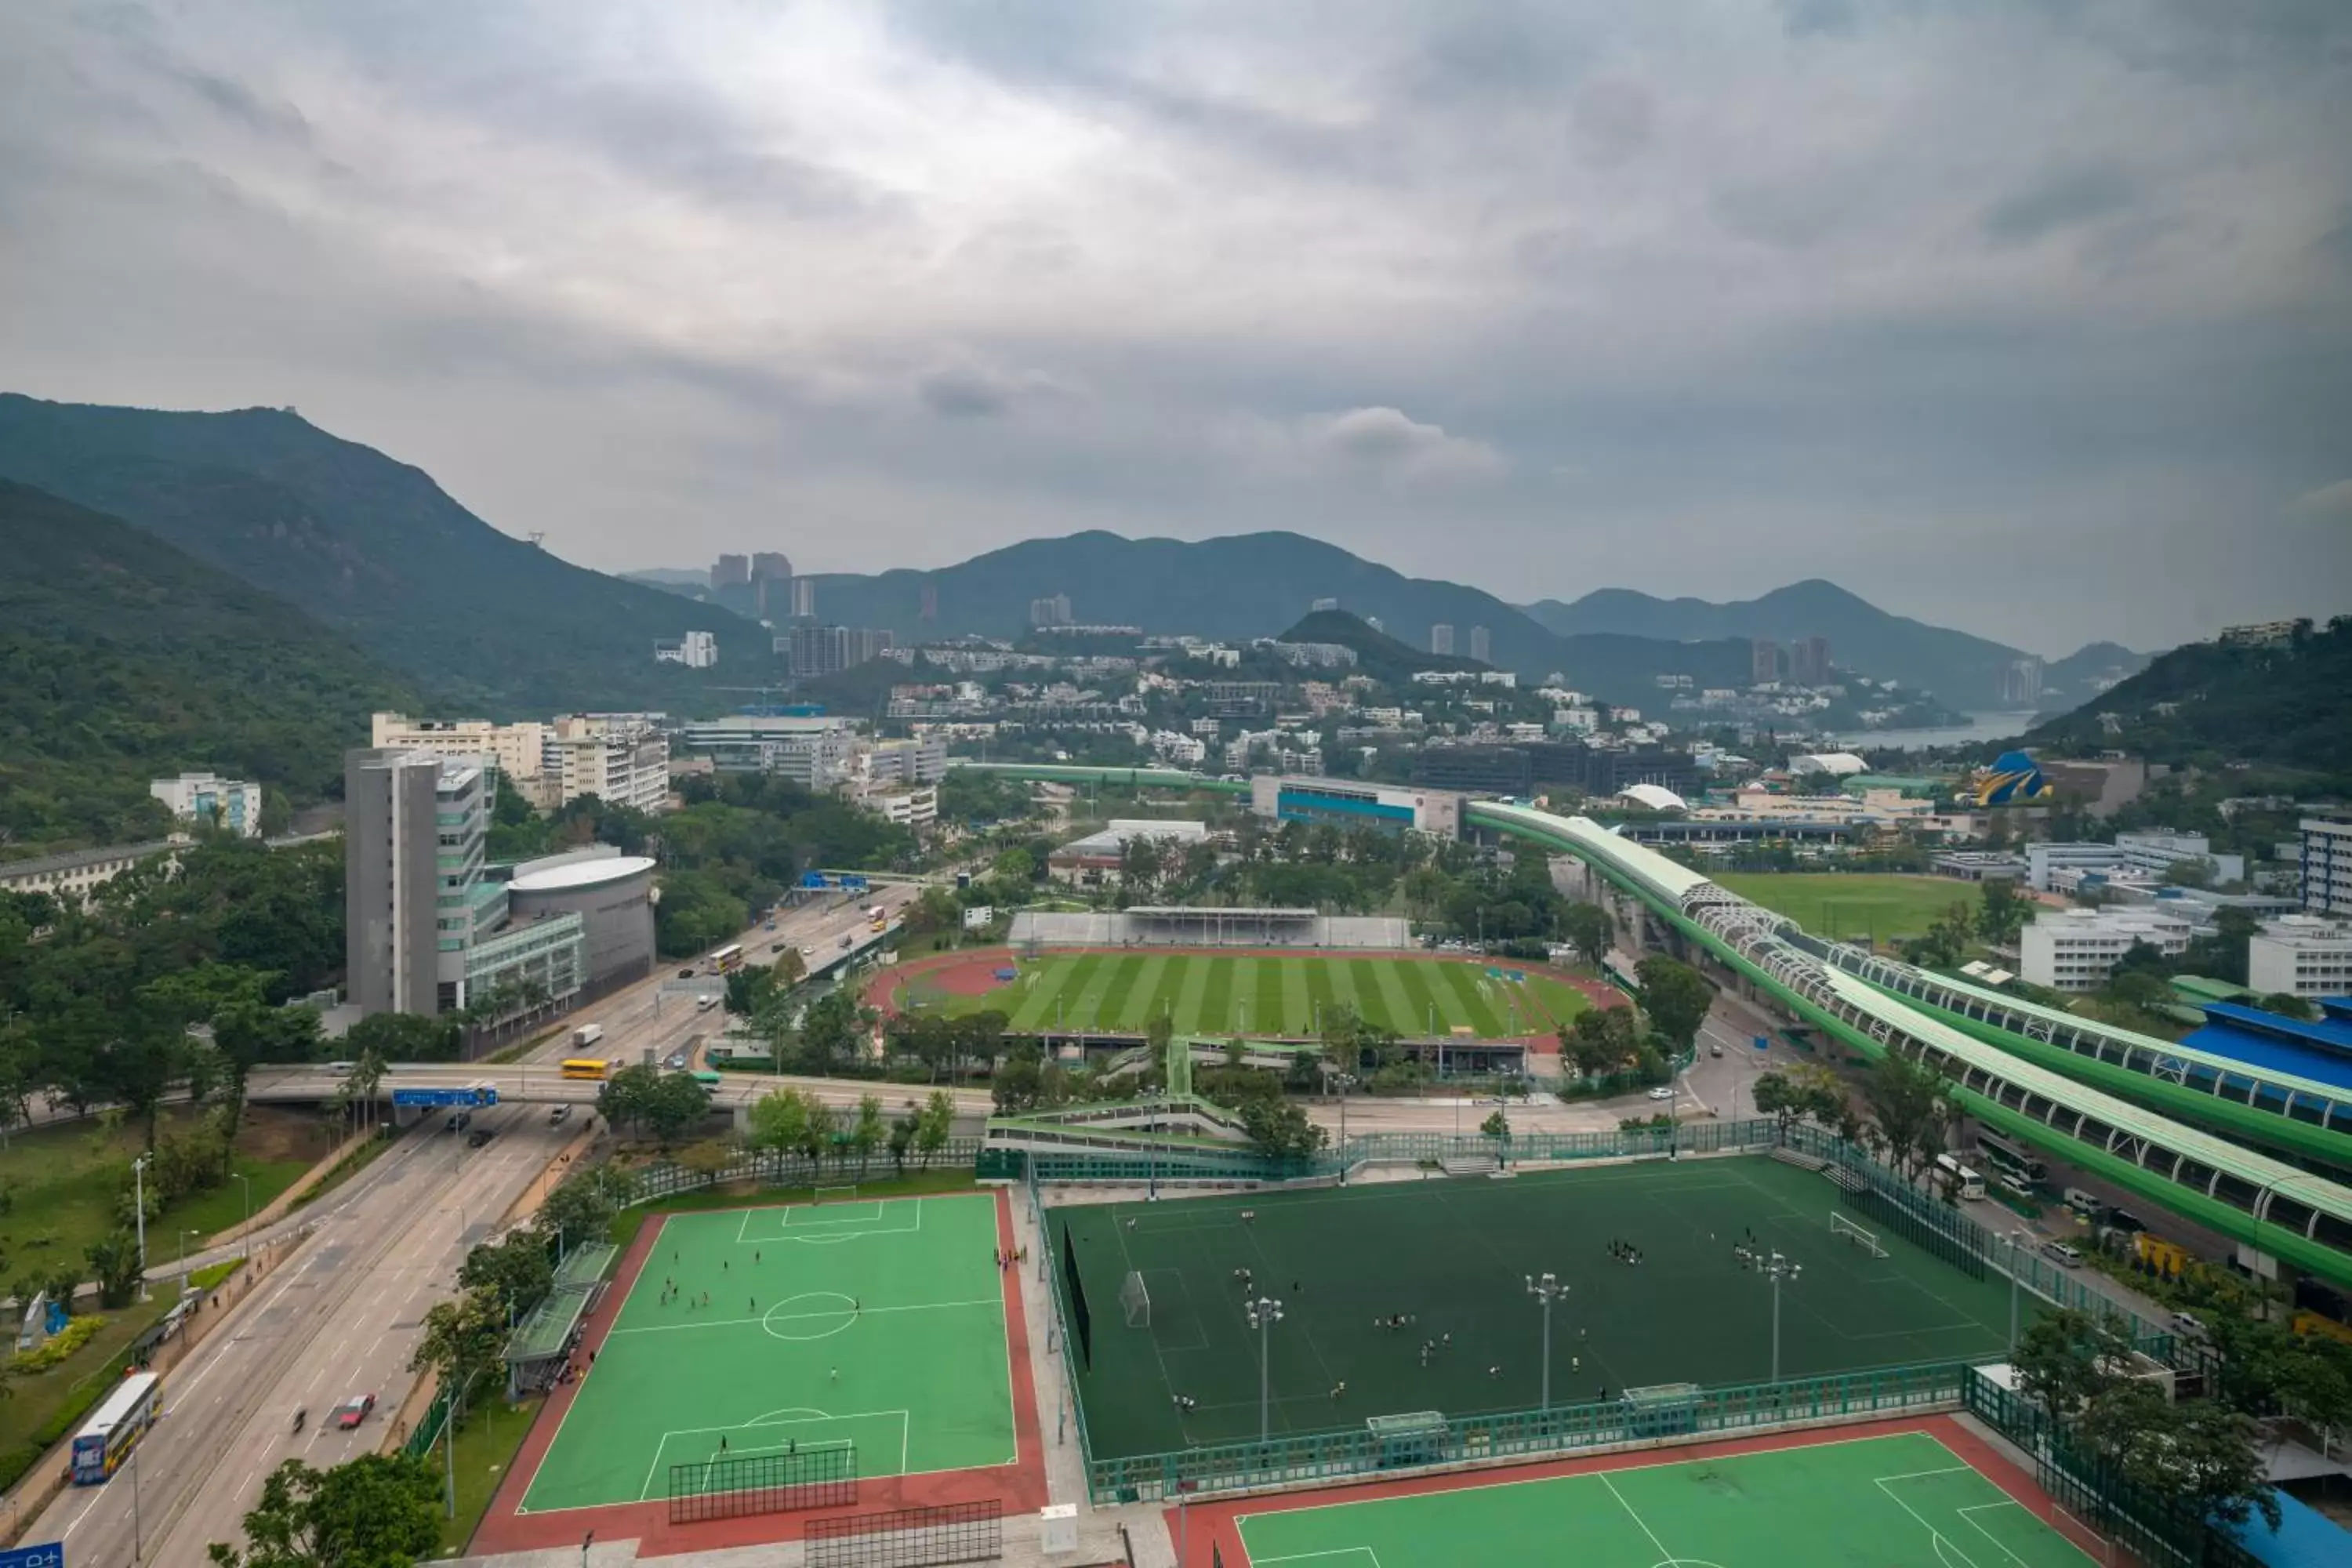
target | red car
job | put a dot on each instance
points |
(353, 1411)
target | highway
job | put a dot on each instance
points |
(342, 1316)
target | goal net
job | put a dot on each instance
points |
(836, 1194)
(1135, 1300)
(1841, 1226)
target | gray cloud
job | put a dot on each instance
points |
(1545, 295)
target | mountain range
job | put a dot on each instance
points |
(123, 660)
(482, 622)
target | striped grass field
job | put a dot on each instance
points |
(1119, 992)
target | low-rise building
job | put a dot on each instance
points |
(696, 651)
(2301, 955)
(1098, 855)
(1349, 803)
(233, 805)
(2075, 950)
(518, 750)
(906, 807)
(621, 759)
(71, 875)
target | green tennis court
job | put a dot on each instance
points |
(1900, 1501)
(1453, 1255)
(1206, 994)
(871, 1322)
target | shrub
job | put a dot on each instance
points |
(60, 1345)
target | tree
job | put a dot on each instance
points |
(677, 1105)
(866, 1135)
(934, 1124)
(517, 1272)
(1588, 929)
(378, 1510)
(1279, 1128)
(1600, 1040)
(405, 1037)
(2003, 913)
(1014, 1084)
(1907, 1097)
(1496, 1126)
(778, 1120)
(2063, 1359)
(2287, 1004)
(627, 1093)
(113, 1261)
(789, 969)
(464, 1340)
(1676, 998)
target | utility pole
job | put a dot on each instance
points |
(138, 1208)
(1545, 1289)
(1264, 1313)
(246, 1229)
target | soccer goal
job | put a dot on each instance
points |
(1135, 1300)
(1841, 1226)
(836, 1194)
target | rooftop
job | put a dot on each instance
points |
(583, 874)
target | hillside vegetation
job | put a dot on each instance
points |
(121, 660)
(484, 624)
(2289, 705)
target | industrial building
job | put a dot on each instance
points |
(232, 806)
(613, 895)
(2075, 950)
(1345, 803)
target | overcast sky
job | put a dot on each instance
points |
(2033, 318)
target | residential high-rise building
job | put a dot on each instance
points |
(1482, 645)
(1440, 638)
(1763, 661)
(803, 606)
(696, 651)
(2328, 865)
(1054, 610)
(425, 931)
(731, 569)
(929, 609)
(829, 650)
(233, 805)
(2021, 683)
(772, 586)
(730, 585)
(621, 759)
(1808, 661)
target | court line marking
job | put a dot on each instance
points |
(791, 1316)
(1257, 1562)
(2007, 1501)
(654, 1468)
(1663, 1556)
(1934, 1535)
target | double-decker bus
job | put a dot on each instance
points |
(99, 1448)
(1958, 1179)
(589, 1068)
(2010, 1158)
(728, 959)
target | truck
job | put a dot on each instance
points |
(586, 1034)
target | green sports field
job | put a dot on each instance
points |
(1899, 1501)
(1453, 1253)
(1202, 993)
(1866, 904)
(879, 1324)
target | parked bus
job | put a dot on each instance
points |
(2008, 1157)
(728, 959)
(1949, 1170)
(590, 1067)
(99, 1448)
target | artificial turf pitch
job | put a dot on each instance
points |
(1453, 1253)
(880, 1322)
(1837, 904)
(1208, 993)
(1900, 1501)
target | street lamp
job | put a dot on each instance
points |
(1778, 1266)
(1545, 1289)
(183, 1258)
(2014, 1263)
(139, 1209)
(245, 1228)
(1262, 1313)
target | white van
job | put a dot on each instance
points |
(2081, 1202)
(2065, 1256)
(705, 1004)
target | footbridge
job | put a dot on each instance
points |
(2132, 1127)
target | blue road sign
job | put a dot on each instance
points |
(1763, 1042)
(479, 1095)
(52, 1555)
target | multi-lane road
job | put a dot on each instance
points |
(342, 1315)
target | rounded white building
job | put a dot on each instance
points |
(614, 897)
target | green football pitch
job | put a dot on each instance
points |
(1899, 1501)
(1453, 1255)
(878, 1323)
(1835, 906)
(1202, 993)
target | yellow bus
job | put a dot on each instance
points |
(584, 1067)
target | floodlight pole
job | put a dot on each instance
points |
(1778, 1267)
(139, 1209)
(1264, 1312)
(2013, 1262)
(1545, 1289)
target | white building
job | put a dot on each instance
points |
(814, 751)
(2151, 855)
(518, 750)
(234, 805)
(2074, 950)
(906, 807)
(2301, 955)
(620, 759)
(696, 651)
(71, 875)
(2328, 865)
(922, 760)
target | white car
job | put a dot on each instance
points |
(1662, 1092)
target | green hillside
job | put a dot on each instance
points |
(1378, 655)
(121, 660)
(485, 624)
(2289, 705)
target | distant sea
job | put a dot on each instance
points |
(1980, 728)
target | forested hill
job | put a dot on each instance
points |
(123, 660)
(1378, 655)
(2289, 704)
(485, 624)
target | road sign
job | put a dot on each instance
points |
(1763, 1042)
(52, 1555)
(475, 1094)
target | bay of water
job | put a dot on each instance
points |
(1980, 728)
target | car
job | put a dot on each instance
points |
(351, 1412)
(2065, 1256)
(478, 1136)
(2189, 1322)
(1662, 1092)
(1714, 1050)
(687, 973)
(560, 1114)
(676, 1062)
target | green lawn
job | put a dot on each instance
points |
(488, 1440)
(1119, 993)
(62, 1180)
(1832, 905)
(1902, 1501)
(875, 1324)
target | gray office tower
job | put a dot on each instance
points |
(391, 892)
